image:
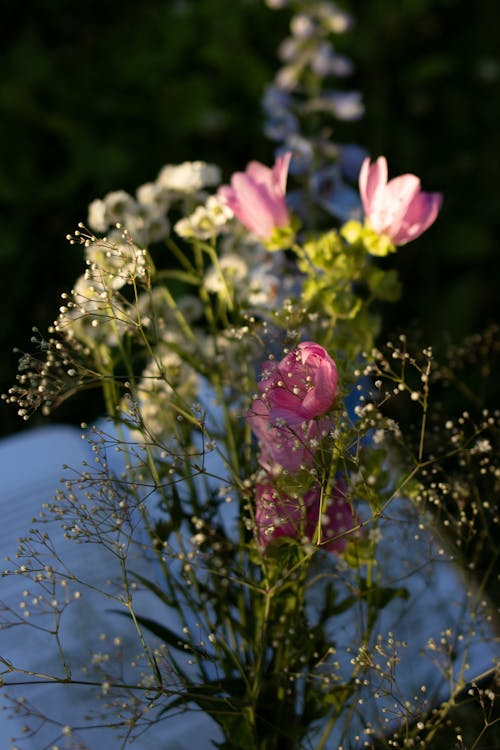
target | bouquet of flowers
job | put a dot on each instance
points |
(260, 489)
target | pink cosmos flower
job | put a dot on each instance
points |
(398, 209)
(257, 196)
(291, 415)
(278, 514)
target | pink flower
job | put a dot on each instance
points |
(285, 446)
(291, 416)
(302, 386)
(278, 514)
(398, 209)
(257, 196)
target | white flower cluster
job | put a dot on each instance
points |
(249, 271)
(206, 221)
(120, 294)
(90, 314)
(189, 177)
(145, 217)
(115, 261)
(96, 310)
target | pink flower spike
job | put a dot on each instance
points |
(286, 446)
(397, 208)
(294, 410)
(257, 196)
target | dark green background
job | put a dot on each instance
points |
(97, 96)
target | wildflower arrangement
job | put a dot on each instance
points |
(261, 490)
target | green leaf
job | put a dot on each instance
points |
(358, 552)
(154, 588)
(344, 605)
(384, 285)
(173, 506)
(239, 730)
(373, 243)
(223, 700)
(282, 238)
(323, 251)
(383, 595)
(377, 244)
(345, 304)
(352, 232)
(337, 696)
(165, 634)
(294, 484)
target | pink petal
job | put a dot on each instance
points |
(421, 213)
(260, 174)
(226, 192)
(402, 189)
(280, 171)
(372, 182)
(398, 208)
(321, 398)
(253, 205)
(257, 196)
(308, 349)
(398, 195)
(286, 406)
(277, 514)
(274, 183)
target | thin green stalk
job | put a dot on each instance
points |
(425, 408)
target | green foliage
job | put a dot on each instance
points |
(343, 282)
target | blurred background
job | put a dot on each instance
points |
(98, 96)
